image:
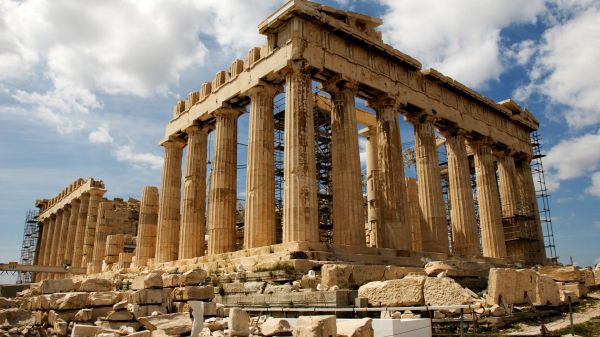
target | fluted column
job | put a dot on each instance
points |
(348, 216)
(414, 214)
(62, 238)
(167, 238)
(71, 230)
(528, 196)
(222, 202)
(374, 240)
(393, 209)
(90, 226)
(259, 216)
(193, 219)
(508, 184)
(79, 240)
(103, 229)
(300, 208)
(492, 232)
(462, 206)
(429, 183)
(43, 256)
(146, 237)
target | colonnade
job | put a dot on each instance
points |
(181, 226)
(68, 223)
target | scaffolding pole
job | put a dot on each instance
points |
(29, 245)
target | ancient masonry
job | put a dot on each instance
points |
(309, 44)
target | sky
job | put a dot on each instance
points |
(87, 87)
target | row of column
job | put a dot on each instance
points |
(65, 234)
(182, 237)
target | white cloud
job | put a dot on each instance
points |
(126, 153)
(522, 51)
(572, 158)
(565, 70)
(461, 38)
(100, 136)
(594, 189)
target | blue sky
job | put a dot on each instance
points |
(86, 87)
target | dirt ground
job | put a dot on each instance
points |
(586, 311)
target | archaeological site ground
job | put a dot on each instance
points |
(320, 247)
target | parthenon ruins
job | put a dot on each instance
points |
(312, 48)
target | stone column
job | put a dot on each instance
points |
(45, 244)
(90, 226)
(222, 202)
(193, 219)
(146, 237)
(54, 241)
(300, 208)
(429, 183)
(414, 214)
(103, 229)
(259, 216)
(348, 216)
(167, 240)
(71, 230)
(62, 238)
(79, 240)
(492, 232)
(393, 209)
(460, 195)
(528, 196)
(508, 184)
(375, 240)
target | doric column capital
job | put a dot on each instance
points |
(297, 67)
(264, 88)
(452, 130)
(339, 83)
(196, 128)
(368, 132)
(383, 101)
(173, 142)
(420, 117)
(227, 111)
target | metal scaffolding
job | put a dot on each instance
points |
(537, 169)
(29, 245)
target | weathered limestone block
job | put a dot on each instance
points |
(276, 289)
(122, 305)
(275, 327)
(81, 330)
(356, 328)
(579, 290)
(15, 317)
(215, 324)
(119, 315)
(104, 298)
(116, 325)
(546, 292)
(588, 277)
(511, 286)
(455, 269)
(146, 296)
(336, 275)
(444, 291)
(56, 286)
(562, 274)
(171, 324)
(239, 322)
(243, 287)
(171, 280)
(193, 293)
(396, 272)
(315, 326)
(65, 301)
(403, 292)
(597, 273)
(362, 274)
(60, 327)
(83, 315)
(144, 333)
(181, 307)
(95, 284)
(6, 303)
(193, 277)
(65, 315)
(146, 310)
(150, 281)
